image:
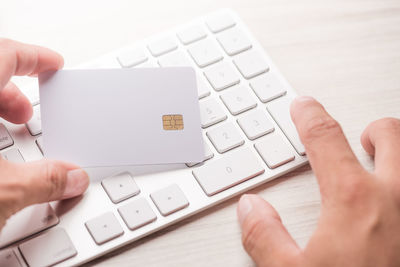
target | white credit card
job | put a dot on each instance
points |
(112, 117)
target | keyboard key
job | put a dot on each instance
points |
(280, 111)
(169, 200)
(39, 143)
(34, 124)
(238, 100)
(192, 34)
(136, 214)
(208, 155)
(175, 59)
(147, 64)
(225, 137)
(131, 58)
(205, 53)
(220, 22)
(162, 46)
(48, 249)
(221, 76)
(255, 124)
(13, 155)
(230, 170)
(27, 222)
(202, 88)
(211, 113)
(250, 64)
(267, 87)
(9, 259)
(5, 137)
(234, 41)
(104, 228)
(274, 151)
(120, 187)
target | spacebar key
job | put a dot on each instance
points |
(226, 172)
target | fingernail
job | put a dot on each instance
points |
(304, 98)
(244, 208)
(77, 182)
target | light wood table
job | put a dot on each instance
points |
(345, 53)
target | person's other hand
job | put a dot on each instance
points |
(360, 214)
(35, 182)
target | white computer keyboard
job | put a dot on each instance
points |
(248, 133)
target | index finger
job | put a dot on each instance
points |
(22, 59)
(327, 148)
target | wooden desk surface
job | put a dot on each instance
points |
(345, 53)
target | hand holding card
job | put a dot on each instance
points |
(121, 116)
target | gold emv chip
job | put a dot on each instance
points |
(172, 122)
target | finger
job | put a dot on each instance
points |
(381, 139)
(45, 180)
(14, 105)
(264, 237)
(22, 59)
(327, 149)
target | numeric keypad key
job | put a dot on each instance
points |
(280, 111)
(132, 57)
(238, 100)
(205, 52)
(228, 171)
(221, 76)
(251, 64)
(274, 151)
(234, 41)
(162, 46)
(219, 23)
(175, 59)
(225, 137)
(267, 87)
(192, 34)
(211, 113)
(255, 124)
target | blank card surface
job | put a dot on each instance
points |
(117, 117)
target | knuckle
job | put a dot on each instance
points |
(320, 126)
(53, 178)
(8, 53)
(390, 124)
(355, 189)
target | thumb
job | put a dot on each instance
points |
(264, 237)
(48, 180)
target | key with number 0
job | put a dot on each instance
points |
(230, 170)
